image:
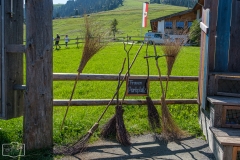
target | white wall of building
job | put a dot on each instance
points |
(161, 26)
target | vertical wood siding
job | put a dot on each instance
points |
(223, 35)
(234, 51)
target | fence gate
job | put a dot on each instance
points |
(11, 65)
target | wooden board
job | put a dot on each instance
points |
(203, 74)
(212, 33)
(223, 100)
(224, 112)
(234, 153)
(227, 136)
(223, 35)
(234, 51)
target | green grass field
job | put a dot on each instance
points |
(109, 61)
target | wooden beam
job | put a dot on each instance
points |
(114, 77)
(38, 112)
(97, 102)
(15, 48)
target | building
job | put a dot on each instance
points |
(177, 23)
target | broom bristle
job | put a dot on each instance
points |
(109, 129)
(122, 134)
(171, 50)
(170, 130)
(153, 116)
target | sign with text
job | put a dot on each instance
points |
(137, 86)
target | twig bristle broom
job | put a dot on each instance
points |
(153, 116)
(115, 126)
(91, 47)
(171, 50)
(170, 130)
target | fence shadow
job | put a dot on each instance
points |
(148, 147)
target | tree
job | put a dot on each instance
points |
(114, 29)
(195, 33)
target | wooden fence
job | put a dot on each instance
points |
(79, 41)
(114, 77)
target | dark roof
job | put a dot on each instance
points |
(171, 15)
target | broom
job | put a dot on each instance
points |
(91, 47)
(153, 116)
(170, 130)
(115, 125)
(109, 129)
(171, 50)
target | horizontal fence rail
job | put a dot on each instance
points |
(114, 77)
(100, 102)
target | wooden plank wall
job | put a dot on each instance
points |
(223, 35)
(234, 51)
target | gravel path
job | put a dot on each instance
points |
(147, 147)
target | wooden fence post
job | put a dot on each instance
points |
(38, 108)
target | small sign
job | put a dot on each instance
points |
(137, 86)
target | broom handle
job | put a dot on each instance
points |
(118, 86)
(120, 83)
(159, 72)
(128, 69)
(70, 100)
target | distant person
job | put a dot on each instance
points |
(57, 39)
(66, 40)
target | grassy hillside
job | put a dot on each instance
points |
(129, 17)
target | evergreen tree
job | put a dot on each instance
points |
(195, 33)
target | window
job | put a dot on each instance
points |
(168, 25)
(189, 24)
(180, 25)
(158, 36)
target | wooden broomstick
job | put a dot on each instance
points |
(115, 126)
(91, 47)
(169, 128)
(153, 116)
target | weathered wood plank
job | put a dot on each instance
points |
(227, 152)
(38, 115)
(114, 77)
(212, 34)
(234, 51)
(97, 102)
(227, 136)
(223, 100)
(15, 48)
(204, 60)
(11, 64)
(234, 153)
(223, 35)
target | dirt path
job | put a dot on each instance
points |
(147, 147)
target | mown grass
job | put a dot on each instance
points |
(109, 61)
